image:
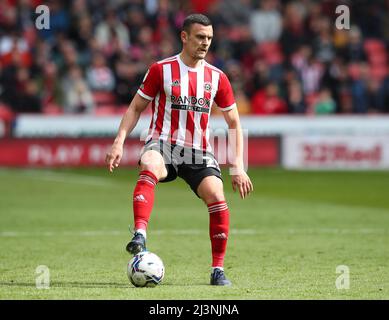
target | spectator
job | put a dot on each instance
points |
(67, 55)
(15, 44)
(201, 6)
(323, 44)
(385, 23)
(110, 29)
(335, 79)
(324, 104)
(243, 102)
(266, 23)
(375, 96)
(354, 51)
(126, 73)
(78, 98)
(291, 44)
(234, 12)
(99, 75)
(82, 34)
(59, 21)
(260, 77)
(8, 16)
(368, 15)
(369, 94)
(19, 89)
(49, 86)
(295, 97)
(135, 20)
(310, 70)
(294, 30)
(268, 101)
(29, 97)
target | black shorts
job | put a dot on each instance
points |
(189, 164)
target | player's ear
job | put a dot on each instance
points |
(184, 36)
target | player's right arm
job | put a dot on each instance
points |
(127, 124)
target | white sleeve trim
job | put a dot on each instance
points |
(228, 108)
(141, 93)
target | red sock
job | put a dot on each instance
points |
(144, 199)
(218, 231)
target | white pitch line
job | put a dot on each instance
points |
(185, 232)
(62, 177)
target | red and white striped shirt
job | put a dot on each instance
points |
(182, 98)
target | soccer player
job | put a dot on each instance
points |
(182, 90)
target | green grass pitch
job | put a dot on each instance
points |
(286, 239)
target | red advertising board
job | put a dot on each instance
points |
(62, 152)
(57, 152)
(335, 152)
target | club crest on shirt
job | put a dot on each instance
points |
(207, 86)
(176, 83)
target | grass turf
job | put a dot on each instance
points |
(286, 239)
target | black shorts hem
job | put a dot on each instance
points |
(195, 176)
(193, 173)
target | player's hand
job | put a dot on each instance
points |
(242, 182)
(112, 159)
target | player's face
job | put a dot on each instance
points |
(197, 42)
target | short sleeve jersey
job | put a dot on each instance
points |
(182, 98)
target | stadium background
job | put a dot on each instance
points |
(285, 59)
(311, 96)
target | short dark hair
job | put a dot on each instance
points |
(195, 18)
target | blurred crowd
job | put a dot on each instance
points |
(282, 57)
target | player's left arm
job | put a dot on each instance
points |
(239, 178)
(225, 100)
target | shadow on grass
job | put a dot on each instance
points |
(69, 284)
(91, 285)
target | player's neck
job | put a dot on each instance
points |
(189, 61)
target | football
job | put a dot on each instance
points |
(145, 269)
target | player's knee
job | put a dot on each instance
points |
(211, 190)
(154, 169)
(154, 164)
(213, 196)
